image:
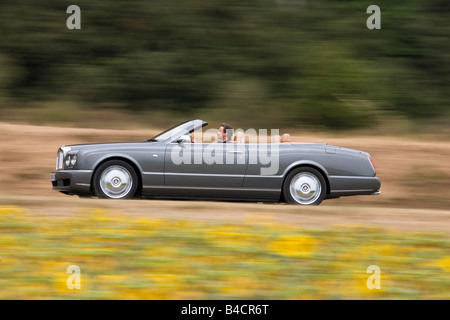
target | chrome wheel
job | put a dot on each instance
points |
(305, 188)
(116, 182)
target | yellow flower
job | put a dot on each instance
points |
(230, 239)
(444, 264)
(355, 286)
(112, 280)
(8, 263)
(57, 272)
(14, 210)
(294, 246)
(359, 284)
(166, 279)
(165, 251)
(9, 242)
(220, 259)
(100, 215)
(150, 222)
(138, 294)
(239, 287)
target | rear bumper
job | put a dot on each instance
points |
(349, 185)
(72, 181)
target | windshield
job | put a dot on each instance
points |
(178, 130)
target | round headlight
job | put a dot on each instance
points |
(73, 160)
(67, 162)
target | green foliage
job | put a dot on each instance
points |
(301, 63)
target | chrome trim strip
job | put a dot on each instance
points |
(359, 190)
(351, 177)
(205, 174)
(210, 175)
(74, 170)
(261, 176)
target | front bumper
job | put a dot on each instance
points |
(72, 181)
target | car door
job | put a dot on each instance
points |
(266, 165)
(212, 166)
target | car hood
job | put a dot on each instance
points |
(109, 145)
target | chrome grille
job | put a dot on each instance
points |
(59, 160)
(60, 157)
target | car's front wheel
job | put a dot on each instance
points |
(115, 179)
(304, 186)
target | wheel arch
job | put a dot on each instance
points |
(312, 165)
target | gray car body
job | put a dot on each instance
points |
(346, 171)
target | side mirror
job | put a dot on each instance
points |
(185, 138)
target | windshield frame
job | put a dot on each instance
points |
(175, 132)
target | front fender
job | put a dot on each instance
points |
(109, 156)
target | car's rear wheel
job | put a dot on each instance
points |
(305, 186)
(115, 179)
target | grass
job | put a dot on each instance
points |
(123, 257)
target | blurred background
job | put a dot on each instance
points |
(310, 68)
(258, 63)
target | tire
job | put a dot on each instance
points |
(115, 179)
(304, 186)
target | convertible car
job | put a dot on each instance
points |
(171, 165)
